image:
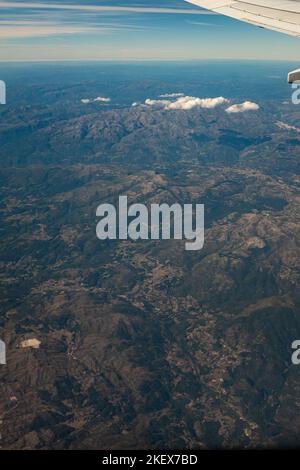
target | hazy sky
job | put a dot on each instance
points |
(136, 29)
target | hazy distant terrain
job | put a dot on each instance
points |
(143, 344)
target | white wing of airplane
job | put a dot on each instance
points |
(279, 15)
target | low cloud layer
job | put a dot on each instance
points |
(171, 95)
(99, 99)
(242, 107)
(287, 127)
(158, 103)
(180, 101)
(187, 102)
(190, 102)
(102, 99)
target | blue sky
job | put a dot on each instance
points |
(131, 30)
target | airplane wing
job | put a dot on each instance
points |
(278, 15)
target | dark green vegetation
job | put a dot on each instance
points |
(145, 345)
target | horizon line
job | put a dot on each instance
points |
(12, 61)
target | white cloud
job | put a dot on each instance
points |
(242, 107)
(30, 29)
(101, 99)
(288, 127)
(163, 103)
(171, 95)
(182, 102)
(188, 102)
(199, 23)
(100, 8)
